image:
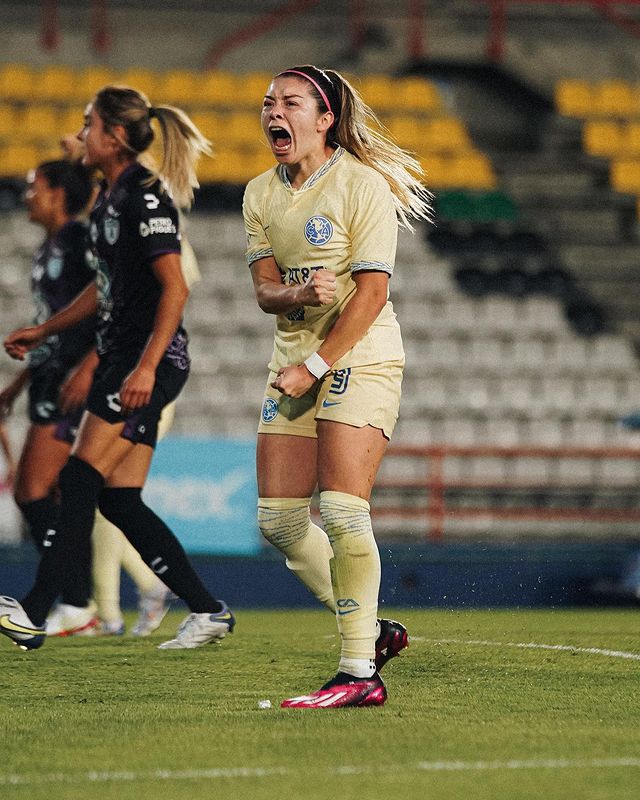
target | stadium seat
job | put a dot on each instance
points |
(574, 98)
(625, 175)
(378, 92)
(631, 140)
(219, 89)
(17, 159)
(251, 89)
(39, 124)
(416, 94)
(209, 123)
(91, 79)
(602, 138)
(614, 98)
(16, 82)
(56, 84)
(407, 131)
(242, 128)
(144, 80)
(446, 134)
(177, 87)
(8, 122)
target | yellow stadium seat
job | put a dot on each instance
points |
(144, 80)
(602, 138)
(209, 123)
(624, 175)
(217, 88)
(447, 134)
(177, 87)
(416, 94)
(242, 128)
(8, 122)
(91, 79)
(378, 92)
(262, 160)
(16, 82)
(471, 170)
(574, 98)
(436, 171)
(71, 119)
(252, 88)
(614, 98)
(16, 160)
(39, 124)
(55, 83)
(407, 131)
(631, 139)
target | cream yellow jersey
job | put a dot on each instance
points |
(343, 219)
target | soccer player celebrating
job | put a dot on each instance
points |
(322, 230)
(139, 298)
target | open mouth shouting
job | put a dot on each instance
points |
(280, 140)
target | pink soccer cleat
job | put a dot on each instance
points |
(343, 691)
(393, 638)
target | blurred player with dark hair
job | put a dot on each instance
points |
(322, 230)
(139, 297)
(61, 367)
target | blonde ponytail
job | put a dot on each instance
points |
(359, 131)
(183, 143)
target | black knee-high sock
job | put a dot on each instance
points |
(41, 516)
(80, 486)
(157, 545)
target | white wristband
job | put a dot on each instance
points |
(317, 366)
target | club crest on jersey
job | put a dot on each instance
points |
(318, 230)
(269, 409)
(111, 230)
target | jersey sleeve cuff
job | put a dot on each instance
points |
(371, 266)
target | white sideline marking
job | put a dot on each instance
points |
(567, 648)
(268, 772)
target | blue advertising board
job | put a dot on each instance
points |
(205, 490)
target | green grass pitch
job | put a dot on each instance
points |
(484, 705)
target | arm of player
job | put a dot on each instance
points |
(18, 343)
(75, 388)
(275, 297)
(138, 385)
(355, 320)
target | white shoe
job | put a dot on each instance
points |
(152, 609)
(15, 624)
(67, 620)
(199, 629)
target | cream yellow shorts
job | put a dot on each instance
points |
(355, 396)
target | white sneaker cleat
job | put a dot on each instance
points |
(68, 620)
(152, 609)
(199, 629)
(15, 624)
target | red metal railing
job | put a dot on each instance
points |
(431, 483)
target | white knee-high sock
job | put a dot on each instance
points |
(355, 573)
(285, 522)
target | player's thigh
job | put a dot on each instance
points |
(100, 443)
(286, 465)
(132, 471)
(349, 457)
(42, 458)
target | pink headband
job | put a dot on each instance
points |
(314, 82)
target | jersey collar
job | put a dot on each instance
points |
(315, 177)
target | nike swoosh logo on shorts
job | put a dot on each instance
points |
(329, 403)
